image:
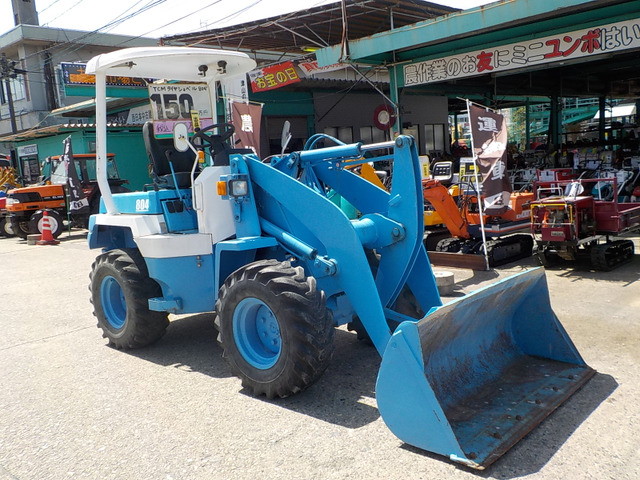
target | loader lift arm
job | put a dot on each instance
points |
(391, 224)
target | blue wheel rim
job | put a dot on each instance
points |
(114, 304)
(256, 332)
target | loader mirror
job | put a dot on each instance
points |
(181, 137)
(286, 136)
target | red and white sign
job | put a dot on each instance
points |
(311, 68)
(275, 76)
(586, 42)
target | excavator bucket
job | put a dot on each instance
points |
(476, 375)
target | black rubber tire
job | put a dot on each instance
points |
(6, 229)
(306, 329)
(141, 326)
(546, 258)
(55, 221)
(405, 304)
(20, 227)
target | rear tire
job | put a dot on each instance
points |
(6, 229)
(546, 258)
(55, 222)
(274, 328)
(20, 227)
(120, 290)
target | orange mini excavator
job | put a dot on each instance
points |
(462, 220)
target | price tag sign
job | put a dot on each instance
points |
(179, 102)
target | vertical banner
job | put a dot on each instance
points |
(78, 203)
(489, 136)
(246, 120)
(234, 89)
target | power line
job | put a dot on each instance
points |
(71, 46)
(49, 6)
(199, 10)
(235, 14)
(67, 10)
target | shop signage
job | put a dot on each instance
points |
(567, 46)
(74, 74)
(274, 76)
(27, 150)
(311, 68)
(179, 102)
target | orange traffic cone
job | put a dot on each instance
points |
(47, 237)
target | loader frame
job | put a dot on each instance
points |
(265, 246)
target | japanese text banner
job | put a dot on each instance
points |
(489, 134)
(246, 121)
(274, 76)
(78, 202)
(603, 39)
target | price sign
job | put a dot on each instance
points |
(173, 103)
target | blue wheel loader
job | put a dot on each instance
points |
(263, 244)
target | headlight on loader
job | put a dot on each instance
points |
(238, 188)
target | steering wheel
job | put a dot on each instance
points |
(215, 141)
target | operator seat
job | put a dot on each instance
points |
(162, 156)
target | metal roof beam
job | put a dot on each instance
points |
(466, 23)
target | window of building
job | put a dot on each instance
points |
(434, 138)
(17, 89)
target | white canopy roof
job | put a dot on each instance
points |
(172, 63)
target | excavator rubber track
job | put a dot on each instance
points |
(609, 255)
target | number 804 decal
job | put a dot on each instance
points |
(142, 205)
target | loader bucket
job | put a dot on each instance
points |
(476, 375)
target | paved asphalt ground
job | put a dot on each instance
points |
(72, 407)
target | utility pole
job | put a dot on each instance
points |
(8, 71)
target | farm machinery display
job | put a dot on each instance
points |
(262, 245)
(26, 205)
(456, 206)
(583, 218)
(8, 181)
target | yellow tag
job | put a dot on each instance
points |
(195, 120)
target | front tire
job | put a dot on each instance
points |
(274, 328)
(120, 290)
(55, 222)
